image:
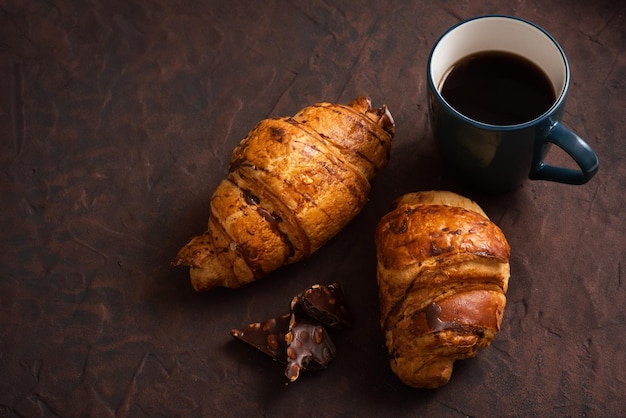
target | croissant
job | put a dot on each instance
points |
(293, 183)
(443, 272)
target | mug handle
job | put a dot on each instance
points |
(576, 147)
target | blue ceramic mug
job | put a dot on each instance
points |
(496, 157)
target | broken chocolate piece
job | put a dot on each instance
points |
(267, 336)
(326, 304)
(309, 346)
(299, 339)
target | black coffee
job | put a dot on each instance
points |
(498, 88)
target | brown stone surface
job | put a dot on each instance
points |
(117, 120)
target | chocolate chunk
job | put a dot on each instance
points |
(299, 339)
(326, 304)
(267, 336)
(309, 346)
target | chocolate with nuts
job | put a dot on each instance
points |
(299, 338)
(326, 304)
(267, 336)
(309, 346)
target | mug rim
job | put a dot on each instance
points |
(557, 103)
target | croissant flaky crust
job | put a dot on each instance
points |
(293, 183)
(443, 271)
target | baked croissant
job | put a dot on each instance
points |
(293, 183)
(443, 271)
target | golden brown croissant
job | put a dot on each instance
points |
(293, 183)
(443, 271)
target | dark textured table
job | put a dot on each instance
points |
(117, 121)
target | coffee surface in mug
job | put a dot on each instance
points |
(498, 88)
